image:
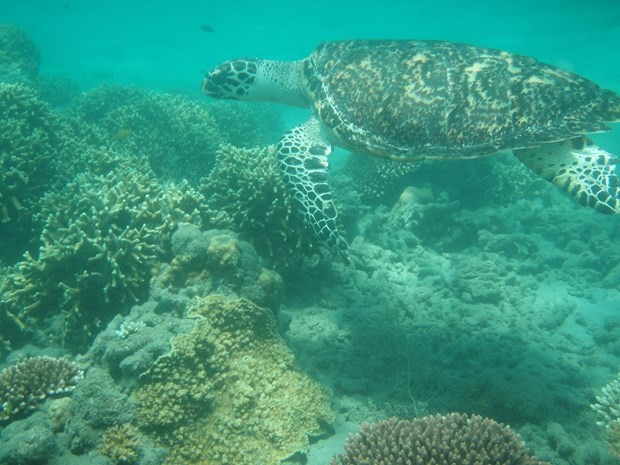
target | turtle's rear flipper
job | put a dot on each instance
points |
(581, 168)
(302, 157)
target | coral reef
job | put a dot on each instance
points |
(607, 408)
(26, 385)
(57, 91)
(131, 343)
(218, 261)
(18, 53)
(99, 404)
(245, 192)
(93, 428)
(227, 392)
(121, 444)
(453, 439)
(29, 135)
(177, 135)
(101, 235)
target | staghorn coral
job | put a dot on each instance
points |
(227, 392)
(18, 53)
(26, 385)
(607, 407)
(453, 439)
(245, 192)
(121, 444)
(29, 135)
(100, 238)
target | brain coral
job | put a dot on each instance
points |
(228, 393)
(453, 439)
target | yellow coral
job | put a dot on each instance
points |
(224, 252)
(121, 444)
(228, 393)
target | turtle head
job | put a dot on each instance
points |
(256, 80)
(231, 80)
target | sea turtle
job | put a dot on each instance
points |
(418, 100)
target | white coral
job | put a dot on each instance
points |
(129, 327)
(607, 405)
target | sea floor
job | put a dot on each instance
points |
(510, 312)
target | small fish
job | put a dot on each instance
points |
(123, 133)
(206, 28)
(66, 5)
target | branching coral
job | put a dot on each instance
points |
(100, 238)
(28, 138)
(24, 386)
(245, 192)
(453, 439)
(607, 407)
(121, 444)
(173, 132)
(227, 393)
(18, 52)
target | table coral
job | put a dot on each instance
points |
(228, 392)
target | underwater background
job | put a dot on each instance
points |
(161, 301)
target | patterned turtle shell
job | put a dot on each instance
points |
(431, 99)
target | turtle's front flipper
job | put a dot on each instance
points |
(302, 157)
(581, 168)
